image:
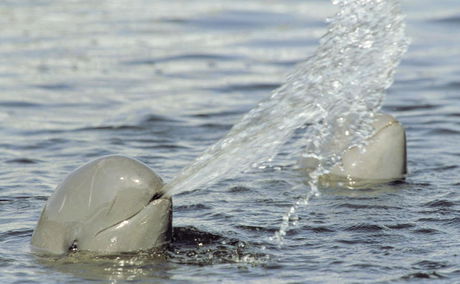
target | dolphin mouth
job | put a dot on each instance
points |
(119, 222)
(156, 196)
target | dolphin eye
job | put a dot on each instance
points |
(73, 247)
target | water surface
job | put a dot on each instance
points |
(162, 81)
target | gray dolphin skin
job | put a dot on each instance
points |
(110, 205)
(383, 159)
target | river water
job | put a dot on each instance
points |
(163, 81)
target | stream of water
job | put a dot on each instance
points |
(336, 92)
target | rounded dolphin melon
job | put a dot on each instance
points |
(105, 206)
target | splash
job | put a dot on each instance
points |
(355, 63)
(335, 93)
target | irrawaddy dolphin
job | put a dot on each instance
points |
(115, 204)
(110, 205)
(382, 159)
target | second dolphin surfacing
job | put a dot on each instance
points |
(383, 158)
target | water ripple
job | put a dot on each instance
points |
(22, 161)
(401, 226)
(448, 20)
(218, 114)
(318, 229)
(413, 107)
(55, 87)
(111, 128)
(260, 229)
(243, 88)
(423, 275)
(364, 228)
(16, 233)
(428, 264)
(426, 231)
(440, 203)
(184, 57)
(366, 206)
(443, 131)
(19, 104)
(192, 207)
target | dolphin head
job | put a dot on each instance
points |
(384, 156)
(110, 205)
(382, 159)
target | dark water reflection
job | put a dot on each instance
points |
(162, 81)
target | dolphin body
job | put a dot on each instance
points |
(110, 205)
(382, 159)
